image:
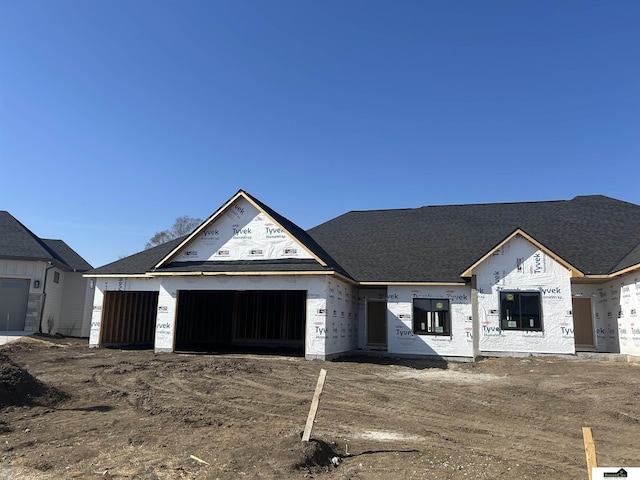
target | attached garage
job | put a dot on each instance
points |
(129, 318)
(209, 318)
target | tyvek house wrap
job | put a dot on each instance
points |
(401, 338)
(242, 233)
(521, 266)
(605, 326)
(342, 317)
(624, 305)
(332, 319)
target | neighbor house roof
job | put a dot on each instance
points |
(19, 243)
(596, 234)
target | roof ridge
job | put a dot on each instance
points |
(34, 237)
(617, 267)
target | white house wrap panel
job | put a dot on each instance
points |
(623, 306)
(401, 336)
(342, 317)
(520, 266)
(242, 233)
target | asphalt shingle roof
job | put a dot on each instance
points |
(595, 234)
(140, 262)
(20, 243)
(437, 243)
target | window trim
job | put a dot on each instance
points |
(447, 321)
(503, 319)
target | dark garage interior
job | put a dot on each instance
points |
(129, 318)
(227, 319)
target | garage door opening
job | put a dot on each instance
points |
(14, 296)
(129, 318)
(256, 320)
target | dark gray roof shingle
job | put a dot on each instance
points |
(437, 243)
(140, 262)
(17, 241)
(64, 253)
(20, 243)
(595, 234)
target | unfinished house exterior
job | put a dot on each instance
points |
(42, 287)
(451, 282)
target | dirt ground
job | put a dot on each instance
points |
(71, 412)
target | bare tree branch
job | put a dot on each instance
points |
(182, 226)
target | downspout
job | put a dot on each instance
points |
(44, 293)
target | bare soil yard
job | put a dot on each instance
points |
(71, 412)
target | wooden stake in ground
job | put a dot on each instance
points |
(314, 406)
(589, 449)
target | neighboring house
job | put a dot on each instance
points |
(42, 287)
(458, 281)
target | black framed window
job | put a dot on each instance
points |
(520, 311)
(431, 316)
(56, 277)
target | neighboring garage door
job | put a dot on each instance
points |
(258, 317)
(129, 318)
(14, 296)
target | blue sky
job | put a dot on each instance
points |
(118, 116)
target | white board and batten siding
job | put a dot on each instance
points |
(75, 308)
(31, 271)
